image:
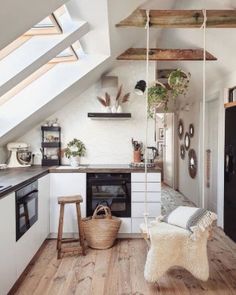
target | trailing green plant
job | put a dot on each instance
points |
(157, 95)
(179, 82)
(75, 148)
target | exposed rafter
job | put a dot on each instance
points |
(156, 54)
(181, 19)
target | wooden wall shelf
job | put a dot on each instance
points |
(109, 116)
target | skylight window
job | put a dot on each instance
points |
(67, 55)
(48, 26)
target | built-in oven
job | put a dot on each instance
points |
(26, 208)
(111, 189)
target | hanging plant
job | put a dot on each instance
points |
(157, 96)
(179, 82)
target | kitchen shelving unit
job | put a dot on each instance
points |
(50, 141)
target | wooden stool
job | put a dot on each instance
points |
(62, 201)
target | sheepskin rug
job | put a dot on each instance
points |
(172, 246)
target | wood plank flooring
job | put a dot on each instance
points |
(119, 271)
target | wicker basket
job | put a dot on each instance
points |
(101, 230)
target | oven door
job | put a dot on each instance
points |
(26, 212)
(114, 193)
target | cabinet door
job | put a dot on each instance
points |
(154, 209)
(44, 205)
(151, 197)
(151, 177)
(7, 243)
(30, 242)
(66, 184)
(125, 226)
(151, 186)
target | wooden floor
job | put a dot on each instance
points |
(120, 271)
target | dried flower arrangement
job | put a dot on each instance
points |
(119, 100)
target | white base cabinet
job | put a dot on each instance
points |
(16, 255)
(7, 243)
(66, 184)
(138, 198)
(30, 242)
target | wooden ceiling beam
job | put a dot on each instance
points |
(156, 54)
(181, 19)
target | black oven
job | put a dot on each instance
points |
(111, 189)
(26, 208)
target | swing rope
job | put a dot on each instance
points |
(145, 214)
(203, 27)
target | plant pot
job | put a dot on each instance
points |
(74, 161)
(137, 156)
(108, 109)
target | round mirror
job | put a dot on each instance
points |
(191, 130)
(192, 163)
(187, 141)
(180, 128)
(182, 152)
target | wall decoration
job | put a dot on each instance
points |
(160, 146)
(161, 133)
(208, 167)
(180, 129)
(192, 163)
(182, 152)
(191, 130)
(187, 141)
(119, 100)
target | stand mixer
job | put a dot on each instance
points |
(20, 156)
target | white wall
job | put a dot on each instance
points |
(188, 186)
(106, 141)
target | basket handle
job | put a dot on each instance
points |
(100, 208)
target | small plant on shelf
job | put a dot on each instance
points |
(74, 150)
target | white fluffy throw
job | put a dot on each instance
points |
(172, 246)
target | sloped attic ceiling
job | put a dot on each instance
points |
(220, 42)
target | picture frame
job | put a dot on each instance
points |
(161, 134)
(160, 145)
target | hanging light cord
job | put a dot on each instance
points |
(203, 27)
(147, 27)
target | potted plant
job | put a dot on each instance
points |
(158, 95)
(178, 81)
(74, 150)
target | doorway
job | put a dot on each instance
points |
(166, 147)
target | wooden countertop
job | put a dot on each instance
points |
(122, 168)
(18, 177)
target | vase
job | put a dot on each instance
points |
(119, 109)
(137, 156)
(75, 161)
(113, 109)
(108, 109)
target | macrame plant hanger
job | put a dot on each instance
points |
(145, 214)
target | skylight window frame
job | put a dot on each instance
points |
(54, 29)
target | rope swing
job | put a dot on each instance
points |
(203, 27)
(145, 214)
